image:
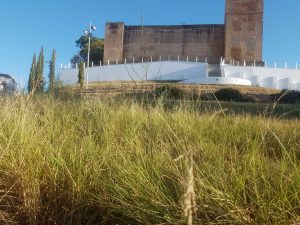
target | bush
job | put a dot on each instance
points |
(229, 94)
(169, 91)
(66, 94)
(287, 97)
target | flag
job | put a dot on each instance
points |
(93, 28)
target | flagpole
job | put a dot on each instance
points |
(88, 59)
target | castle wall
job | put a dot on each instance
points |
(186, 40)
(244, 30)
(239, 39)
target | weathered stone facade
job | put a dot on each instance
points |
(239, 39)
(114, 42)
(244, 30)
(192, 40)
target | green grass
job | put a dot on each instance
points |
(113, 162)
(271, 109)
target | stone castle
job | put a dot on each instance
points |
(190, 54)
(240, 38)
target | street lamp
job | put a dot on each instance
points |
(89, 34)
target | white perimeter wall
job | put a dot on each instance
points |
(190, 72)
(218, 80)
(276, 78)
(164, 70)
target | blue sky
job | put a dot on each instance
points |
(28, 25)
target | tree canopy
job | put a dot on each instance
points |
(39, 77)
(81, 74)
(52, 72)
(96, 53)
(31, 80)
(36, 76)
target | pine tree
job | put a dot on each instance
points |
(39, 78)
(52, 72)
(81, 74)
(31, 80)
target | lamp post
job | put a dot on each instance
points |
(89, 34)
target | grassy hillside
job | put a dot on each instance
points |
(108, 162)
(119, 88)
(198, 97)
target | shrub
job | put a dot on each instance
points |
(169, 91)
(287, 97)
(66, 94)
(229, 94)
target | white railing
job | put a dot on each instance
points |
(264, 64)
(195, 59)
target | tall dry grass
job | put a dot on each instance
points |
(105, 162)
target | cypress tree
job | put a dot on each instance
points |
(52, 72)
(39, 78)
(31, 80)
(81, 74)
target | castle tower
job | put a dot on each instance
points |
(244, 30)
(113, 43)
